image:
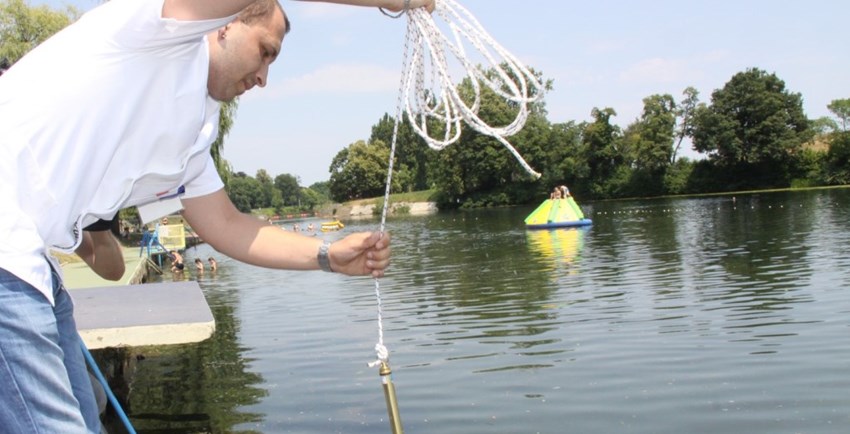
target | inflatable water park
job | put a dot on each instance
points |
(557, 213)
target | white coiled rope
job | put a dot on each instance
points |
(439, 98)
(426, 47)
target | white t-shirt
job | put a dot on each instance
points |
(111, 112)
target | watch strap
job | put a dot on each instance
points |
(324, 259)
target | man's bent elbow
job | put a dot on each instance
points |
(113, 273)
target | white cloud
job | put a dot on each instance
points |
(318, 11)
(333, 79)
(672, 70)
(605, 47)
(656, 70)
(344, 78)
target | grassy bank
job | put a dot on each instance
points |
(413, 196)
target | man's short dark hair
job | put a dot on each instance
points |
(4, 62)
(261, 10)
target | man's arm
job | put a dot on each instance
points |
(193, 10)
(248, 239)
(196, 10)
(101, 251)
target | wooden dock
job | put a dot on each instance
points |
(79, 275)
(129, 313)
(141, 315)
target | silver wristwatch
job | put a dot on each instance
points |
(324, 260)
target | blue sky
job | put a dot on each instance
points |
(339, 69)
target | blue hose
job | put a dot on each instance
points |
(109, 394)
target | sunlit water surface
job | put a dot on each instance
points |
(714, 315)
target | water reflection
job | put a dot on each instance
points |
(714, 314)
(557, 247)
(200, 387)
(753, 264)
(468, 285)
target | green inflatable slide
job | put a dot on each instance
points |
(556, 213)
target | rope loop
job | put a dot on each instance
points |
(430, 89)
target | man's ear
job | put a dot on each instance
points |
(222, 32)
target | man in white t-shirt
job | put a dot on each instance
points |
(119, 110)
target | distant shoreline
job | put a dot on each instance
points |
(366, 209)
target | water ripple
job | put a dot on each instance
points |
(711, 314)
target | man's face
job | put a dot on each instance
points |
(240, 56)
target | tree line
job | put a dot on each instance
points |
(753, 133)
(283, 194)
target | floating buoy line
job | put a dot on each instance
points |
(428, 92)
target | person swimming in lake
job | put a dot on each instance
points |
(177, 265)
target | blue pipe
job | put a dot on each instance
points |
(109, 394)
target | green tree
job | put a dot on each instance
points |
(535, 142)
(289, 188)
(677, 175)
(359, 171)
(478, 170)
(23, 27)
(838, 159)
(413, 157)
(476, 163)
(322, 188)
(841, 109)
(563, 160)
(310, 198)
(647, 149)
(226, 119)
(268, 189)
(823, 125)
(685, 118)
(753, 127)
(245, 192)
(654, 148)
(602, 148)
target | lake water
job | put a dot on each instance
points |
(711, 315)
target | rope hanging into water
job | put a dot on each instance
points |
(440, 100)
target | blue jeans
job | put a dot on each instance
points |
(43, 376)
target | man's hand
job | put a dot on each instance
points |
(398, 5)
(360, 254)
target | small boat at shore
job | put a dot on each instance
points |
(332, 226)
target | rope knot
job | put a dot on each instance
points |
(382, 353)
